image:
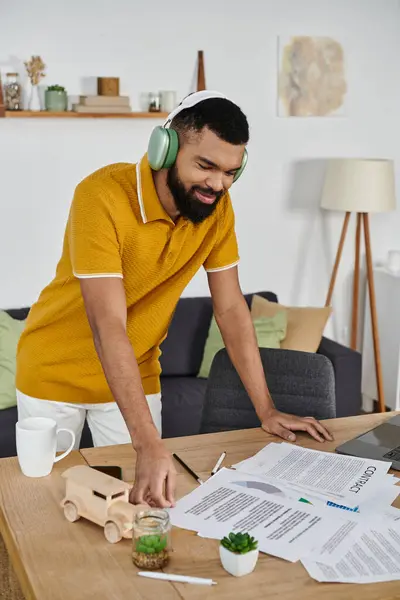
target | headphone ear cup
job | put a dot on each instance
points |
(163, 148)
(242, 166)
(173, 148)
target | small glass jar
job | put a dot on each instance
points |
(151, 539)
(12, 92)
(154, 102)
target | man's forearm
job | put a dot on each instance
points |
(122, 373)
(237, 330)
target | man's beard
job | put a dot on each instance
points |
(186, 202)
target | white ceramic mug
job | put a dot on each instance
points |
(37, 445)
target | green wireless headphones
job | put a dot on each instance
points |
(164, 144)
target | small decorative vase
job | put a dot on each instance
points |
(55, 101)
(238, 564)
(34, 99)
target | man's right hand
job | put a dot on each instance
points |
(155, 478)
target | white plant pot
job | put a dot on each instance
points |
(238, 564)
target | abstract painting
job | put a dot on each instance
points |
(312, 78)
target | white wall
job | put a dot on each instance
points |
(286, 243)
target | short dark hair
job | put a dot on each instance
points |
(221, 116)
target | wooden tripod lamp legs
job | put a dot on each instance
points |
(362, 218)
(356, 285)
(337, 261)
(374, 318)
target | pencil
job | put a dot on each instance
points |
(188, 469)
(219, 462)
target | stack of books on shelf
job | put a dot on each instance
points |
(102, 104)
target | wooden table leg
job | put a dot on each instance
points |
(374, 318)
(338, 257)
(9, 586)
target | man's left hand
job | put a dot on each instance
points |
(283, 425)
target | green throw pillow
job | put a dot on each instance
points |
(270, 331)
(10, 331)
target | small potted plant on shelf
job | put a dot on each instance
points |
(56, 98)
(238, 553)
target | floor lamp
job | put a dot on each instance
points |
(360, 186)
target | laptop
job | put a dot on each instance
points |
(380, 443)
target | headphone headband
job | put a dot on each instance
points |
(192, 100)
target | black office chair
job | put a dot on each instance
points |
(300, 383)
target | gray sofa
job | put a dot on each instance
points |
(184, 393)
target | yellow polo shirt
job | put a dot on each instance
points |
(117, 227)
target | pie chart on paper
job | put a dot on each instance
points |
(261, 486)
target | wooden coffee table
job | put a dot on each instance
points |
(57, 560)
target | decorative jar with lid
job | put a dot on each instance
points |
(12, 92)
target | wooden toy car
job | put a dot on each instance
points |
(101, 499)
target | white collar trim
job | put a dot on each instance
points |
(140, 191)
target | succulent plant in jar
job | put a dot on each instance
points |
(150, 539)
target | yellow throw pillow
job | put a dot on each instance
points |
(305, 325)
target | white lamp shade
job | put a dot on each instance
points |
(359, 185)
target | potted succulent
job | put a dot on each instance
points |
(238, 553)
(56, 98)
(150, 551)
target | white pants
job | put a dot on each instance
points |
(105, 421)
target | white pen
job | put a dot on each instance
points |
(219, 461)
(178, 578)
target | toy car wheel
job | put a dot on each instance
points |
(71, 512)
(112, 532)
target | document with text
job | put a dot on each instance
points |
(325, 474)
(235, 501)
(372, 556)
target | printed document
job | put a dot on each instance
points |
(373, 556)
(235, 501)
(328, 475)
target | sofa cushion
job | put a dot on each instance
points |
(270, 331)
(8, 419)
(10, 332)
(182, 350)
(182, 405)
(18, 313)
(305, 324)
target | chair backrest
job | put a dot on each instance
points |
(300, 383)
